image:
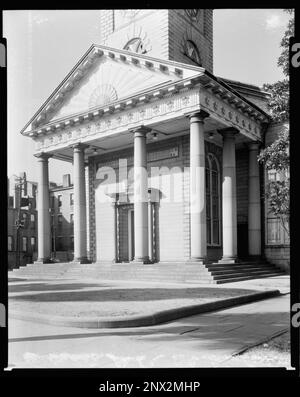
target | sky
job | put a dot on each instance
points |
(43, 46)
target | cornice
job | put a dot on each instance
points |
(164, 66)
(211, 100)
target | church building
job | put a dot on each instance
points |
(164, 153)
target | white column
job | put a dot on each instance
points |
(140, 196)
(115, 228)
(150, 232)
(254, 210)
(197, 187)
(229, 214)
(80, 229)
(43, 207)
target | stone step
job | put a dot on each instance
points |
(164, 271)
(245, 271)
(238, 266)
(244, 278)
(242, 274)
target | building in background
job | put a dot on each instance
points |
(62, 219)
(22, 221)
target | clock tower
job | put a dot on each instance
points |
(182, 35)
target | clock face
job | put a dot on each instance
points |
(130, 14)
(192, 13)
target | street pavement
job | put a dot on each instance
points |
(206, 340)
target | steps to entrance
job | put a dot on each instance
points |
(212, 273)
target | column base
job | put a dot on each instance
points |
(141, 260)
(228, 260)
(200, 261)
(41, 261)
(81, 261)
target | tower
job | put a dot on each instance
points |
(182, 35)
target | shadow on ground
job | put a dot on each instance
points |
(214, 330)
(117, 294)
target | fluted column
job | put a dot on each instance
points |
(80, 228)
(43, 207)
(140, 196)
(254, 210)
(197, 187)
(229, 209)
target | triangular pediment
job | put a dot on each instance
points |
(104, 76)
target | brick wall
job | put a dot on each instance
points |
(181, 28)
(151, 27)
(163, 33)
(242, 176)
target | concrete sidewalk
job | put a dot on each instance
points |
(207, 340)
(115, 304)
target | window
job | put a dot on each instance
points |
(59, 220)
(71, 198)
(32, 219)
(59, 202)
(33, 243)
(71, 218)
(24, 244)
(25, 217)
(10, 243)
(213, 205)
(72, 243)
(275, 232)
(135, 45)
(191, 51)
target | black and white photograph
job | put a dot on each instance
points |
(148, 189)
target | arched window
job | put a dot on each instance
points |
(213, 204)
(135, 45)
(191, 51)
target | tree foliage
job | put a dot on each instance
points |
(276, 156)
(279, 91)
(283, 60)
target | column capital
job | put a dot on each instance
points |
(140, 131)
(79, 147)
(198, 116)
(254, 145)
(43, 156)
(228, 132)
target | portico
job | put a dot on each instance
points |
(173, 122)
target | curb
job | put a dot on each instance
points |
(260, 342)
(143, 320)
